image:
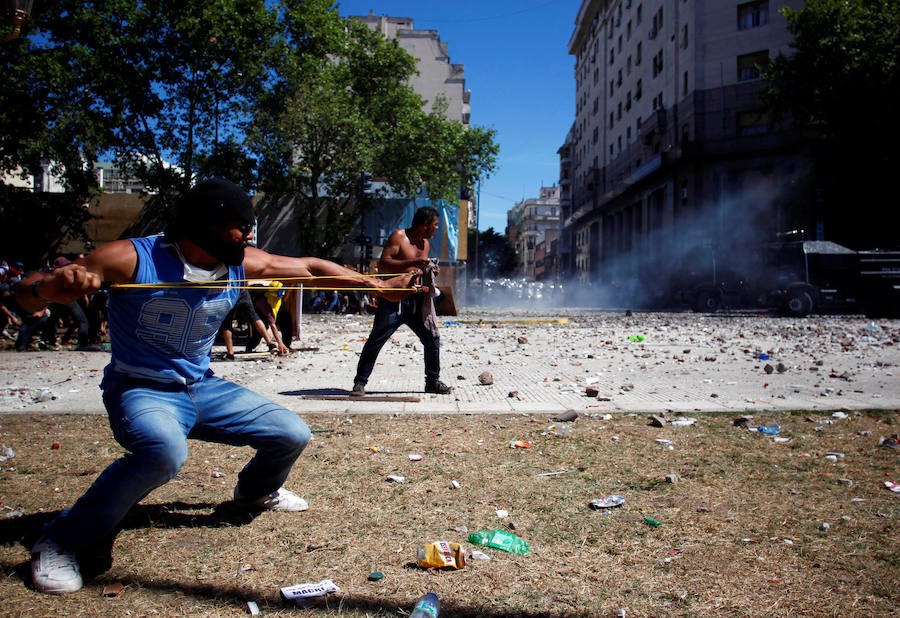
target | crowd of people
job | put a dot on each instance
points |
(82, 322)
(351, 301)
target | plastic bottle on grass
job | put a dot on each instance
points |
(428, 606)
(500, 539)
(770, 430)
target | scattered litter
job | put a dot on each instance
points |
(486, 378)
(478, 555)
(656, 421)
(427, 606)
(892, 442)
(683, 422)
(835, 453)
(844, 481)
(519, 444)
(664, 441)
(216, 474)
(441, 554)
(54, 446)
(636, 338)
(763, 357)
(502, 513)
(651, 522)
(253, 608)
(831, 458)
(376, 576)
(552, 473)
(304, 591)
(824, 526)
(894, 487)
(395, 478)
(6, 452)
(841, 415)
(500, 539)
(454, 484)
(770, 430)
(780, 439)
(672, 478)
(563, 431)
(113, 590)
(607, 502)
(415, 457)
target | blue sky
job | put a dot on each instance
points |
(521, 77)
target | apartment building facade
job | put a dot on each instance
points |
(528, 225)
(671, 146)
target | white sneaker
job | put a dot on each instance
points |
(53, 569)
(281, 500)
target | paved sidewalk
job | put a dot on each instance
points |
(540, 363)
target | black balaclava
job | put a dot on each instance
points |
(213, 202)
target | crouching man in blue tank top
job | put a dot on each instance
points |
(158, 389)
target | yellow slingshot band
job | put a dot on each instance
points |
(259, 284)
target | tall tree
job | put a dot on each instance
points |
(496, 257)
(163, 88)
(341, 105)
(842, 82)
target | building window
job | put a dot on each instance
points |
(612, 86)
(596, 104)
(685, 132)
(753, 14)
(610, 120)
(620, 43)
(612, 55)
(684, 85)
(628, 30)
(596, 134)
(638, 90)
(640, 13)
(619, 111)
(684, 37)
(628, 66)
(658, 63)
(596, 75)
(628, 100)
(619, 78)
(748, 65)
(638, 54)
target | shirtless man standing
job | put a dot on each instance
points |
(406, 251)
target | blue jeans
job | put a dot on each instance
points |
(153, 422)
(388, 318)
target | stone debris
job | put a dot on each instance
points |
(687, 363)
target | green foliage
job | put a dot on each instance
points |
(294, 95)
(339, 105)
(842, 83)
(844, 74)
(496, 257)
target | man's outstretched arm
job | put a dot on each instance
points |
(114, 263)
(259, 264)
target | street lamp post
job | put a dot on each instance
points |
(19, 11)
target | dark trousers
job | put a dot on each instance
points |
(388, 318)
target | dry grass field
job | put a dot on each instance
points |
(741, 530)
